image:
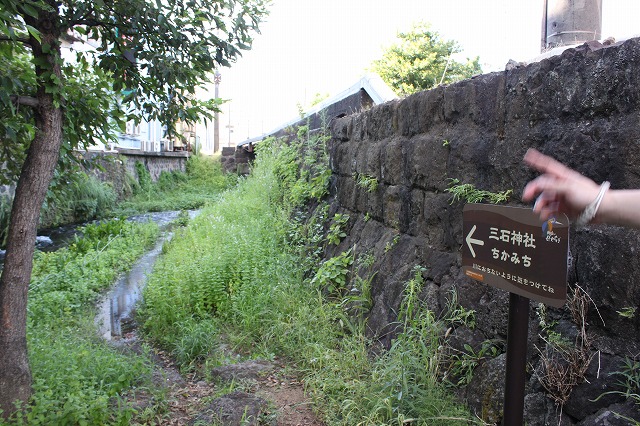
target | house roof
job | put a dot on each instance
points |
(371, 83)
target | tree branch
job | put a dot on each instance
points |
(91, 22)
(23, 40)
(25, 100)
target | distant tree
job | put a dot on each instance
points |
(317, 99)
(149, 58)
(420, 60)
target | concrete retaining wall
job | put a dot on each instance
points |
(155, 162)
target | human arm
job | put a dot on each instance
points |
(620, 207)
(562, 190)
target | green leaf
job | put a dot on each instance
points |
(29, 10)
(34, 33)
(11, 134)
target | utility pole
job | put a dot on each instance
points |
(567, 22)
(217, 78)
(229, 126)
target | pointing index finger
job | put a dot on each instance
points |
(545, 164)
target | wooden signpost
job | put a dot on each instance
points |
(511, 249)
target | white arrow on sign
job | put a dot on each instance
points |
(470, 241)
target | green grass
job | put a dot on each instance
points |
(77, 377)
(243, 271)
(201, 184)
(400, 386)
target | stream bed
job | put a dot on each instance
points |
(117, 308)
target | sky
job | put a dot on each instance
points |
(309, 47)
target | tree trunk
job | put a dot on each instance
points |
(36, 174)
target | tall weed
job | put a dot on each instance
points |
(301, 167)
(76, 197)
(243, 266)
(202, 183)
(400, 386)
(208, 266)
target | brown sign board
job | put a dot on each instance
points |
(512, 249)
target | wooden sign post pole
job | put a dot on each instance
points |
(517, 336)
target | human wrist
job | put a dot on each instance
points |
(607, 212)
(591, 210)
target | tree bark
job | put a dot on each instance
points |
(36, 174)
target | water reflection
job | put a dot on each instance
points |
(118, 306)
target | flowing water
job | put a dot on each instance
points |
(116, 308)
(55, 238)
(51, 239)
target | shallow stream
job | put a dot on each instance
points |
(117, 306)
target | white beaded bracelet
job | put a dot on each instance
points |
(590, 211)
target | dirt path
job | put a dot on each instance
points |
(292, 408)
(262, 394)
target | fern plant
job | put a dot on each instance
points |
(366, 182)
(469, 193)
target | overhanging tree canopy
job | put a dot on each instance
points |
(148, 60)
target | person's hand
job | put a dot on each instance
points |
(559, 189)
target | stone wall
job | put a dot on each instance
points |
(582, 107)
(155, 162)
(108, 167)
(228, 159)
(244, 155)
(351, 104)
(238, 159)
(113, 167)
